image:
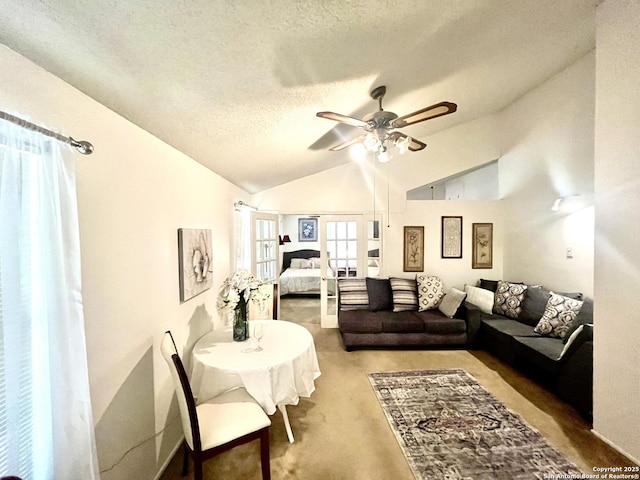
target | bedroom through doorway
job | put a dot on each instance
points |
(316, 250)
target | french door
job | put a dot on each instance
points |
(342, 254)
(264, 241)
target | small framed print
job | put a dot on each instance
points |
(307, 229)
(413, 249)
(482, 245)
(451, 237)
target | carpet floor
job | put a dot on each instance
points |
(342, 433)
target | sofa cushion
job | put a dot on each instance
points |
(508, 299)
(451, 302)
(504, 327)
(360, 321)
(442, 325)
(480, 297)
(561, 311)
(543, 352)
(584, 317)
(430, 291)
(353, 294)
(380, 295)
(401, 322)
(491, 285)
(533, 305)
(405, 294)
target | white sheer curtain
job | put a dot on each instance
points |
(243, 237)
(46, 424)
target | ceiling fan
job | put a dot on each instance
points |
(381, 126)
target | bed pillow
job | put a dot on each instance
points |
(380, 294)
(481, 298)
(508, 298)
(315, 262)
(301, 263)
(561, 311)
(430, 292)
(405, 294)
(353, 294)
(451, 302)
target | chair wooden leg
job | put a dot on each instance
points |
(185, 460)
(264, 455)
(197, 467)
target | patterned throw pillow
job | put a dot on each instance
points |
(405, 294)
(558, 316)
(353, 294)
(508, 299)
(430, 292)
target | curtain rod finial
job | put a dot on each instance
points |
(82, 146)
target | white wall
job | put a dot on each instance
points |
(547, 152)
(617, 262)
(134, 193)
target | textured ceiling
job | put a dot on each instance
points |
(236, 84)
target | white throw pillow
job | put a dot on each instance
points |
(572, 338)
(451, 301)
(480, 297)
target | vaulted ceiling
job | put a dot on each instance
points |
(236, 84)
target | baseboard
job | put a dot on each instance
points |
(166, 463)
(615, 447)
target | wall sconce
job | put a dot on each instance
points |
(284, 239)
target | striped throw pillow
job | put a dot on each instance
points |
(405, 294)
(353, 294)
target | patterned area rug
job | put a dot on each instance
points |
(450, 427)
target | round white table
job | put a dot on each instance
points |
(277, 376)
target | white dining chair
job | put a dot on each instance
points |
(216, 425)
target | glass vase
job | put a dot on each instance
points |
(240, 324)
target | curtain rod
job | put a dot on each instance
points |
(240, 203)
(82, 146)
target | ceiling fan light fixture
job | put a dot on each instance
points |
(372, 143)
(383, 156)
(357, 151)
(402, 143)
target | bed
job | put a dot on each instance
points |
(301, 274)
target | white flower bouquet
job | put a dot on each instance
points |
(236, 290)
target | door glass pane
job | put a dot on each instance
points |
(331, 231)
(351, 227)
(341, 230)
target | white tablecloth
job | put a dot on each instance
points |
(280, 374)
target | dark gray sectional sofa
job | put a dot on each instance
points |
(377, 316)
(369, 320)
(569, 374)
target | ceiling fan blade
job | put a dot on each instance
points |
(437, 110)
(348, 143)
(356, 122)
(414, 145)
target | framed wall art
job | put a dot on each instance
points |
(413, 249)
(451, 237)
(482, 245)
(307, 229)
(194, 258)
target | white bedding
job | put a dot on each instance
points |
(303, 280)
